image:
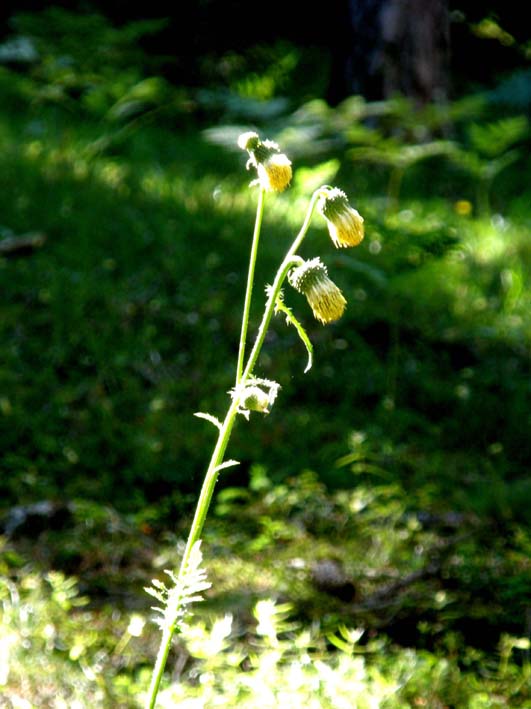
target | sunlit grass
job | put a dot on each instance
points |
(246, 640)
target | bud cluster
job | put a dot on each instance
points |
(345, 226)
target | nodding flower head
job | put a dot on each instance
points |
(249, 141)
(274, 174)
(255, 395)
(272, 166)
(345, 224)
(255, 399)
(324, 297)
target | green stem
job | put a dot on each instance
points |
(250, 282)
(207, 489)
(289, 260)
(196, 528)
(162, 656)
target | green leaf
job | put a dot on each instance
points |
(227, 464)
(186, 589)
(209, 417)
(280, 307)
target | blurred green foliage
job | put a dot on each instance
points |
(414, 419)
(276, 622)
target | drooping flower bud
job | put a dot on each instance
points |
(256, 395)
(324, 297)
(275, 173)
(345, 224)
(273, 167)
(255, 399)
(249, 141)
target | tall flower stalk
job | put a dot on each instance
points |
(250, 283)
(252, 393)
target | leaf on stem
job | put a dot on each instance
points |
(186, 589)
(209, 417)
(281, 307)
(226, 464)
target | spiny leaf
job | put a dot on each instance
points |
(227, 464)
(187, 588)
(280, 307)
(209, 417)
(156, 591)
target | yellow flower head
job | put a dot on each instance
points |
(324, 297)
(273, 167)
(345, 224)
(274, 174)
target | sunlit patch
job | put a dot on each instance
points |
(489, 245)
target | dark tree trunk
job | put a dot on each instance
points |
(392, 46)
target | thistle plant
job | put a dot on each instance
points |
(252, 393)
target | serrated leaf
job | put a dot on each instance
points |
(187, 588)
(280, 307)
(227, 464)
(208, 417)
(153, 592)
